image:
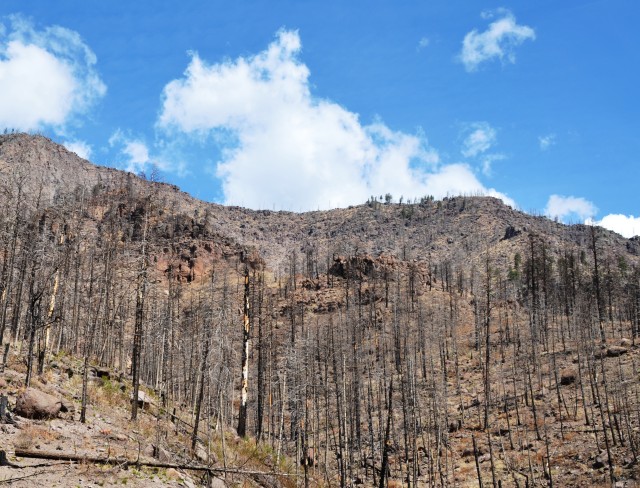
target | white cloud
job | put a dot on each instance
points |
(547, 141)
(81, 148)
(625, 225)
(562, 207)
(137, 152)
(459, 179)
(47, 77)
(136, 156)
(282, 146)
(423, 43)
(481, 136)
(134, 152)
(498, 41)
(488, 160)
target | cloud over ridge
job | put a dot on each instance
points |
(561, 207)
(282, 146)
(626, 225)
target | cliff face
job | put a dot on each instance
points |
(38, 164)
(483, 338)
(456, 230)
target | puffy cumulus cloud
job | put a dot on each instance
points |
(281, 146)
(498, 41)
(134, 152)
(47, 77)
(562, 207)
(137, 153)
(625, 225)
(81, 148)
(547, 141)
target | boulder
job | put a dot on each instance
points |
(217, 483)
(101, 373)
(599, 461)
(568, 376)
(157, 452)
(201, 453)
(510, 233)
(600, 352)
(35, 404)
(67, 406)
(484, 458)
(615, 351)
(144, 400)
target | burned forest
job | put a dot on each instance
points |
(454, 342)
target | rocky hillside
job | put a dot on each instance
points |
(457, 229)
(443, 343)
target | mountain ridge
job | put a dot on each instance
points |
(489, 342)
(450, 229)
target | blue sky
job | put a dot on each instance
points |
(302, 105)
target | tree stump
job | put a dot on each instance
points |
(5, 462)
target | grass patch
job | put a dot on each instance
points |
(32, 435)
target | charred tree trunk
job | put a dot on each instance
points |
(139, 322)
(244, 393)
(596, 283)
(384, 470)
(203, 370)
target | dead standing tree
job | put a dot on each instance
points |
(204, 365)
(242, 416)
(139, 322)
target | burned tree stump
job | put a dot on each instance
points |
(5, 462)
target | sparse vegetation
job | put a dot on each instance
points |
(456, 343)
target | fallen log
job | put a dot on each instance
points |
(124, 462)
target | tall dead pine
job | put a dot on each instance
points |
(138, 325)
(384, 470)
(596, 283)
(242, 416)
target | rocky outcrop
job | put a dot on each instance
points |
(568, 376)
(456, 230)
(144, 400)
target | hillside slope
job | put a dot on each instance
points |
(442, 343)
(455, 229)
